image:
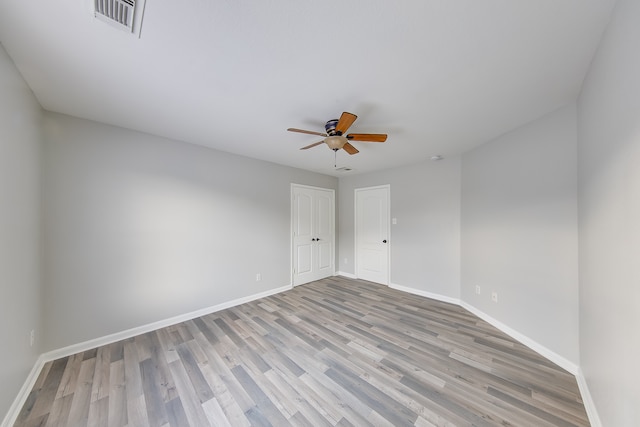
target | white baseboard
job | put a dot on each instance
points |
(425, 294)
(347, 275)
(559, 360)
(19, 401)
(129, 333)
(21, 398)
(523, 339)
(587, 400)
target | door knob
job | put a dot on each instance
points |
(384, 241)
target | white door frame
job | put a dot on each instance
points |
(355, 222)
(291, 228)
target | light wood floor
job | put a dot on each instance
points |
(335, 352)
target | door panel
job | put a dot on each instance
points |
(372, 234)
(325, 217)
(325, 232)
(304, 259)
(304, 207)
(325, 256)
(302, 234)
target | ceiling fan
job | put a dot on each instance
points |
(335, 138)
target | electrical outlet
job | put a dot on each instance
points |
(258, 277)
(478, 289)
(346, 260)
(32, 337)
(494, 296)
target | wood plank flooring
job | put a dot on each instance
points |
(336, 352)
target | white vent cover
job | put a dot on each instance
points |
(117, 12)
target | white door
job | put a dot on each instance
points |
(372, 234)
(313, 218)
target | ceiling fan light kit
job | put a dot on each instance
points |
(335, 138)
(336, 142)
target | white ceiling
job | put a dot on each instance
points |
(439, 76)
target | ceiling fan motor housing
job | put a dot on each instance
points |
(330, 127)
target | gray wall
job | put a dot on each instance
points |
(425, 243)
(609, 200)
(139, 229)
(20, 150)
(519, 231)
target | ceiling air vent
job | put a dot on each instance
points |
(117, 12)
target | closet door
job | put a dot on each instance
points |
(313, 233)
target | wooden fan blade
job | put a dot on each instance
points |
(367, 137)
(346, 120)
(350, 148)
(312, 145)
(310, 132)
